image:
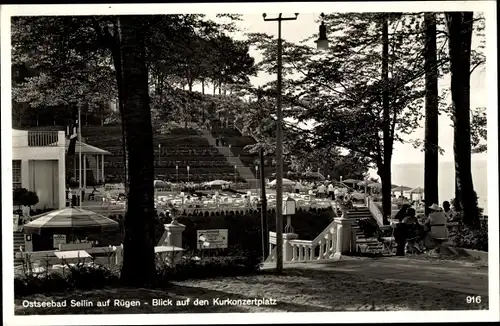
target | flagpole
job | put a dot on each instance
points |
(80, 157)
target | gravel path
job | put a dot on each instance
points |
(350, 285)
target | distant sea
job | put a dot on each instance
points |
(412, 175)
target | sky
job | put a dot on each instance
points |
(306, 25)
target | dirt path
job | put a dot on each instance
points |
(353, 284)
(461, 276)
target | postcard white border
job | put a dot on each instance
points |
(489, 9)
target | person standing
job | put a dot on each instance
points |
(331, 191)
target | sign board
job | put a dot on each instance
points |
(212, 239)
(16, 222)
(59, 239)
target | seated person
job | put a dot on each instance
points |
(436, 227)
(92, 194)
(414, 231)
(450, 213)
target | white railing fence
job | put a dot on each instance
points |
(43, 138)
(374, 210)
(336, 239)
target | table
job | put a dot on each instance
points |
(162, 249)
(72, 254)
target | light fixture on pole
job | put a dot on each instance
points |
(80, 157)
(177, 172)
(257, 177)
(188, 172)
(235, 167)
(322, 42)
(159, 154)
(289, 208)
(279, 147)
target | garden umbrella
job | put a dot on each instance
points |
(417, 190)
(367, 182)
(400, 189)
(218, 183)
(70, 219)
(286, 182)
(351, 181)
(375, 185)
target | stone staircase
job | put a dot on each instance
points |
(243, 170)
(18, 242)
(363, 244)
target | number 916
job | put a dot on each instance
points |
(473, 299)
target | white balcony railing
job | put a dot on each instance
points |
(43, 138)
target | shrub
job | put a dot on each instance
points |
(464, 237)
(87, 278)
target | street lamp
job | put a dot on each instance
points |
(279, 137)
(235, 167)
(322, 42)
(289, 208)
(159, 154)
(257, 177)
(177, 172)
(188, 172)
(279, 148)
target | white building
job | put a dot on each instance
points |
(38, 164)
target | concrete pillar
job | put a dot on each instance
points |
(119, 255)
(287, 248)
(344, 235)
(61, 172)
(102, 167)
(174, 238)
(25, 174)
(28, 243)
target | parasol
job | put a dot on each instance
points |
(401, 189)
(218, 183)
(417, 190)
(70, 219)
(286, 182)
(351, 181)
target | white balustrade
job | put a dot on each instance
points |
(336, 239)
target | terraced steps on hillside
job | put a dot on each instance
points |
(238, 142)
(181, 147)
(18, 242)
(243, 170)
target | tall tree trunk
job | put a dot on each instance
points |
(431, 113)
(460, 39)
(116, 54)
(203, 86)
(139, 258)
(386, 129)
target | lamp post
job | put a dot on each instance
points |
(177, 173)
(235, 167)
(279, 149)
(322, 43)
(187, 167)
(159, 154)
(80, 199)
(289, 207)
(257, 177)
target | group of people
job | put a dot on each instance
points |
(414, 236)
